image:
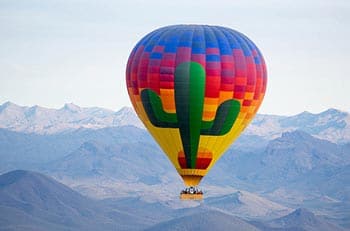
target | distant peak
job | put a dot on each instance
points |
(12, 177)
(37, 107)
(125, 110)
(300, 216)
(331, 111)
(301, 212)
(306, 113)
(71, 107)
(296, 134)
(18, 172)
(8, 104)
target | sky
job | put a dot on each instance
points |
(54, 52)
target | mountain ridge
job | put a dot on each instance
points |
(45, 204)
(331, 124)
(41, 120)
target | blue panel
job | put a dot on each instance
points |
(212, 58)
(198, 41)
(171, 42)
(243, 44)
(156, 55)
(151, 40)
(149, 47)
(210, 39)
(231, 40)
(224, 45)
(170, 48)
(198, 48)
(257, 60)
(186, 39)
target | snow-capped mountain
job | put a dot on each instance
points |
(42, 120)
(332, 124)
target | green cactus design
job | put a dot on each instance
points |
(189, 89)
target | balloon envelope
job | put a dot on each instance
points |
(195, 88)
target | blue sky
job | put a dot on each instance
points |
(53, 52)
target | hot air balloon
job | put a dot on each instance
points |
(195, 88)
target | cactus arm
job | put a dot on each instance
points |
(225, 117)
(154, 110)
(206, 125)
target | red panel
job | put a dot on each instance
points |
(166, 85)
(247, 102)
(212, 87)
(238, 53)
(153, 82)
(183, 55)
(238, 95)
(212, 51)
(240, 72)
(199, 58)
(168, 63)
(158, 49)
(254, 53)
(216, 72)
(240, 81)
(142, 83)
(227, 73)
(250, 88)
(227, 87)
(239, 88)
(166, 77)
(227, 65)
(249, 60)
(240, 62)
(213, 68)
(251, 73)
(143, 67)
(227, 80)
(259, 71)
(168, 60)
(134, 69)
(226, 58)
(169, 56)
(213, 65)
(202, 163)
(182, 162)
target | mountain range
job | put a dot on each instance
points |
(332, 124)
(33, 201)
(278, 164)
(42, 120)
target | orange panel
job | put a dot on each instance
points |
(167, 96)
(210, 101)
(225, 95)
(208, 115)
